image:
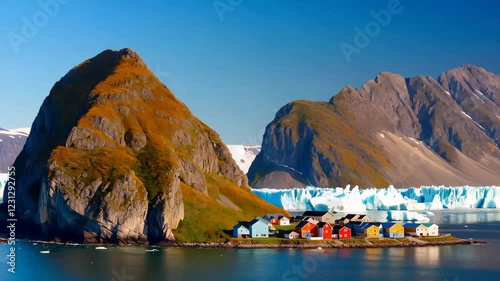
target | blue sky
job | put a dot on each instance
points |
(234, 67)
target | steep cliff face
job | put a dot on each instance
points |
(108, 153)
(408, 132)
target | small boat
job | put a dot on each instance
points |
(45, 252)
(101, 248)
(152, 250)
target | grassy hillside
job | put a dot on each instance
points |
(208, 220)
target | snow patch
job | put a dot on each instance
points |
(478, 92)
(13, 133)
(383, 136)
(414, 140)
(448, 93)
(478, 97)
(244, 155)
(372, 199)
(3, 181)
(477, 124)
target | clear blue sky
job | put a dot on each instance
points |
(234, 72)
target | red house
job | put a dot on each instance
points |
(324, 230)
(342, 232)
(306, 229)
(275, 221)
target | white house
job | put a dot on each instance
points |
(432, 229)
(416, 229)
(284, 221)
(292, 235)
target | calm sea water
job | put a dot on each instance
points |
(466, 262)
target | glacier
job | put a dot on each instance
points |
(382, 199)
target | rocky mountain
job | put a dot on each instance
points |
(11, 144)
(244, 155)
(114, 157)
(407, 132)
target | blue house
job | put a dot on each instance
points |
(240, 231)
(259, 228)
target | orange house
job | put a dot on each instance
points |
(306, 229)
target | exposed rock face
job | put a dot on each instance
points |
(108, 152)
(408, 132)
(11, 144)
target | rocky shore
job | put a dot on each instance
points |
(329, 244)
(251, 244)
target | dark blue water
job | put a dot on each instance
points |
(465, 262)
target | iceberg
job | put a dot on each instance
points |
(382, 199)
(406, 216)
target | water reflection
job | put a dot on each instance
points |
(427, 256)
(373, 254)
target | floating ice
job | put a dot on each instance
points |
(373, 199)
(406, 216)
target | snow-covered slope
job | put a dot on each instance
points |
(3, 181)
(373, 199)
(11, 144)
(244, 155)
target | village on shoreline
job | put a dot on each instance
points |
(315, 229)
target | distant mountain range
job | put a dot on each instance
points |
(11, 144)
(244, 155)
(393, 130)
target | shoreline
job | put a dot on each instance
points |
(331, 244)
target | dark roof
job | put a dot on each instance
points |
(321, 224)
(411, 224)
(361, 217)
(314, 213)
(240, 225)
(257, 219)
(349, 216)
(301, 224)
(338, 227)
(388, 224)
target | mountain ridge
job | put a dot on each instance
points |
(339, 142)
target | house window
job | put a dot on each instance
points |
(263, 235)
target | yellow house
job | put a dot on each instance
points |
(393, 230)
(367, 230)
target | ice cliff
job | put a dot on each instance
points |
(373, 199)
